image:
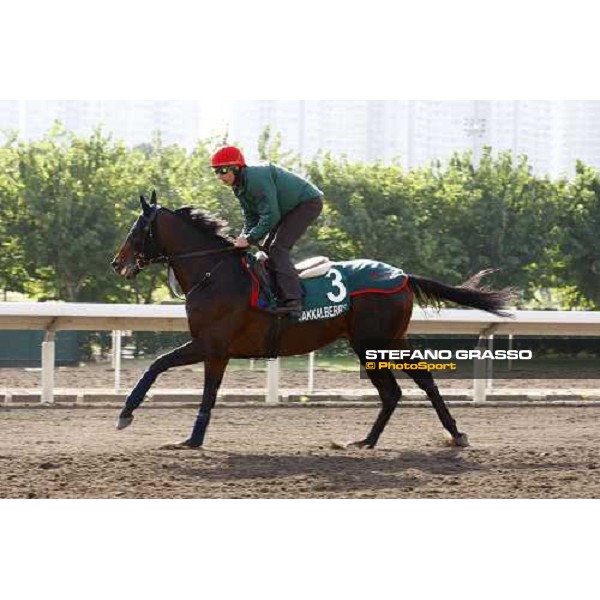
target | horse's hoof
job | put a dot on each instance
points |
(349, 445)
(459, 441)
(185, 445)
(123, 422)
(338, 445)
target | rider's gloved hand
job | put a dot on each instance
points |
(241, 242)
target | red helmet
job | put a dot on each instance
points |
(228, 156)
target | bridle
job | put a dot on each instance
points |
(149, 243)
(152, 254)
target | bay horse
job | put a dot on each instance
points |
(223, 325)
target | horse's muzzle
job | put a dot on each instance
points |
(127, 270)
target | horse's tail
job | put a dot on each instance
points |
(430, 293)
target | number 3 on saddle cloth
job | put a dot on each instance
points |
(327, 286)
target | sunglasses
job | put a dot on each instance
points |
(224, 170)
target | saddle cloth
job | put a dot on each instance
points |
(328, 287)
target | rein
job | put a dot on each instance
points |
(170, 259)
(166, 258)
(202, 253)
(207, 275)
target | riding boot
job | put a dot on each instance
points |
(290, 308)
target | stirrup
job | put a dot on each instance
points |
(293, 309)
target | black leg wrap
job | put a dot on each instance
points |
(202, 421)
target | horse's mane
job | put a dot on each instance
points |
(205, 222)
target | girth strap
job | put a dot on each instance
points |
(274, 335)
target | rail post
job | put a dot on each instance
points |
(481, 369)
(48, 359)
(116, 358)
(311, 372)
(272, 381)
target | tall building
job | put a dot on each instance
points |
(553, 134)
(135, 122)
(350, 128)
(9, 115)
(578, 134)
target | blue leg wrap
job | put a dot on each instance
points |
(138, 393)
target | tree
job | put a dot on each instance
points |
(68, 204)
(12, 272)
(503, 216)
(578, 256)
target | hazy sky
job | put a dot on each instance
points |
(215, 116)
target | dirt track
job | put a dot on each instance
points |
(284, 452)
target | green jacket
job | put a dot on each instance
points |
(267, 193)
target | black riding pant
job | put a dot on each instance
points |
(279, 242)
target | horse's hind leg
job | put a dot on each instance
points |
(188, 354)
(390, 394)
(425, 381)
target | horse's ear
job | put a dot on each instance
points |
(153, 197)
(145, 205)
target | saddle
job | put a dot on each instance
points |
(316, 266)
(310, 268)
(328, 287)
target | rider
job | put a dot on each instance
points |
(276, 202)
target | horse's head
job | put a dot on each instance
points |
(140, 247)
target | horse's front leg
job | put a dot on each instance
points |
(188, 354)
(214, 369)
